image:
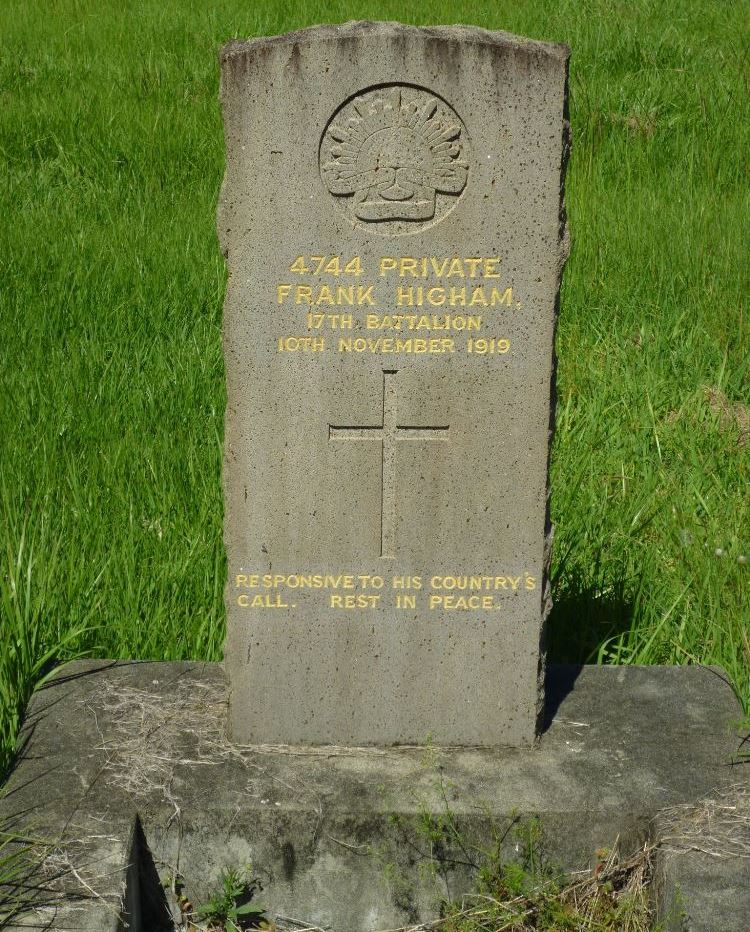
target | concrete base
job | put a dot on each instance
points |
(126, 767)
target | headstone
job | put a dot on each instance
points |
(393, 222)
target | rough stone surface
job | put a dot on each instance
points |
(393, 223)
(704, 862)
(82, 869)
(332, 830)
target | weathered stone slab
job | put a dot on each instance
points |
(107, 742)
(703, 867)
(392, 218)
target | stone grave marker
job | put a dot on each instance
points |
(393, 222)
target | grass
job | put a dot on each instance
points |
(530, 894)
(111, 379)
(23, 882)
(231, 908)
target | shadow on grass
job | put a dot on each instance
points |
(583, 621)
(579, 627)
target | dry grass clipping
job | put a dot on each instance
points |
(718, 827)
(731, 415)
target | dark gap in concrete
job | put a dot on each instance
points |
(145, 907)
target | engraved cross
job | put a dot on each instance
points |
(388, 433)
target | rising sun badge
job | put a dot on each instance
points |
(396, 153)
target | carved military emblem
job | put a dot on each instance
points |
(396, 153)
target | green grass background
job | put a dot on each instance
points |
(111, 286)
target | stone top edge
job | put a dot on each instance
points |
(362, 29)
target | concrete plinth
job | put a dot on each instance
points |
(128, 764)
